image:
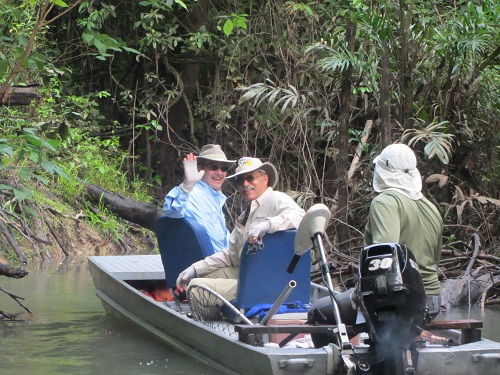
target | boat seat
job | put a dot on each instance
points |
(470, 329)
(248, 333)
(182, 242)
(263, 275)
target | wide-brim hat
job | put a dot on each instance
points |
(213, 152)
(246, 165)
(396, 169)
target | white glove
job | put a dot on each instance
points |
(259, 229)
(186, 276)
(191, 175)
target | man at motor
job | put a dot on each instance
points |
(398, 214)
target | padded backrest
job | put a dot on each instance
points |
(263, 276)
(182, 242)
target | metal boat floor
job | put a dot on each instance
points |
(222, 326)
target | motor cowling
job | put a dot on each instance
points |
(391, 295)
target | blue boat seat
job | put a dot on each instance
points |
(263, 275)
(182, 242)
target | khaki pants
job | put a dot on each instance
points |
(223, 281)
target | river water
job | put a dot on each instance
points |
(69, 332)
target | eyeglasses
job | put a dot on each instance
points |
(214, 167)
(248, 178)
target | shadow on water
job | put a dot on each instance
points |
(69, 332)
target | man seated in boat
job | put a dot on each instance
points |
(200, 195)
(399, 214)
(268, 211)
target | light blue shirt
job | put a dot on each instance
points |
(204, 204)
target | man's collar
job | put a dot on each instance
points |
(208, 188)
(263, 196)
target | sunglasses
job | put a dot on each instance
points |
(214, 167)
(248, 178)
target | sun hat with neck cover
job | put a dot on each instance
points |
(247, 165)
(212, 152)
(396, 169)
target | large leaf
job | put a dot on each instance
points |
(253, 91)
(21, 194)
(60, 3)
(6, 149)
(4, 65)
(441, 179)
(228, 27)
(25, 173)
(53, 168)
(485, 200)
(435, 148)
(6, 187)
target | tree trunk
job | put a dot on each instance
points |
(180, 125)
(385, 98)
(406, 63)
(343, 144)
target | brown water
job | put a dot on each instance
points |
(69, 332)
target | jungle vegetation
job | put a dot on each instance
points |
(117, 92)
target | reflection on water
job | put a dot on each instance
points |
(69, 333)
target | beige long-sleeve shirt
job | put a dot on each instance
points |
(277, 207)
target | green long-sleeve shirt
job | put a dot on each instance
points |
(415, 223)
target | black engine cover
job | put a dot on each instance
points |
(391, 295)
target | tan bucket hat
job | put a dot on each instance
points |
(247, 164)
(214, 152)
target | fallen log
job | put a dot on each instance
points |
(491, 294)
(465, 290)
(19, 95)
(9, 271)
(140, 213)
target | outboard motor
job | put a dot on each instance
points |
(392, 299)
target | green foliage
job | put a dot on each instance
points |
(437, 142)
(294, 7)
(87, 159)
(15, 31)
(93, 38)
(24, 151)
(274, 96)
(235, 20)
(268, 82)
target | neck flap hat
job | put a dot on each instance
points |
(396, 169)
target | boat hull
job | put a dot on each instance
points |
(183, 333)
(113, 276)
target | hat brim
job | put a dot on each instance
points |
(218, 159)
(266, 167)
